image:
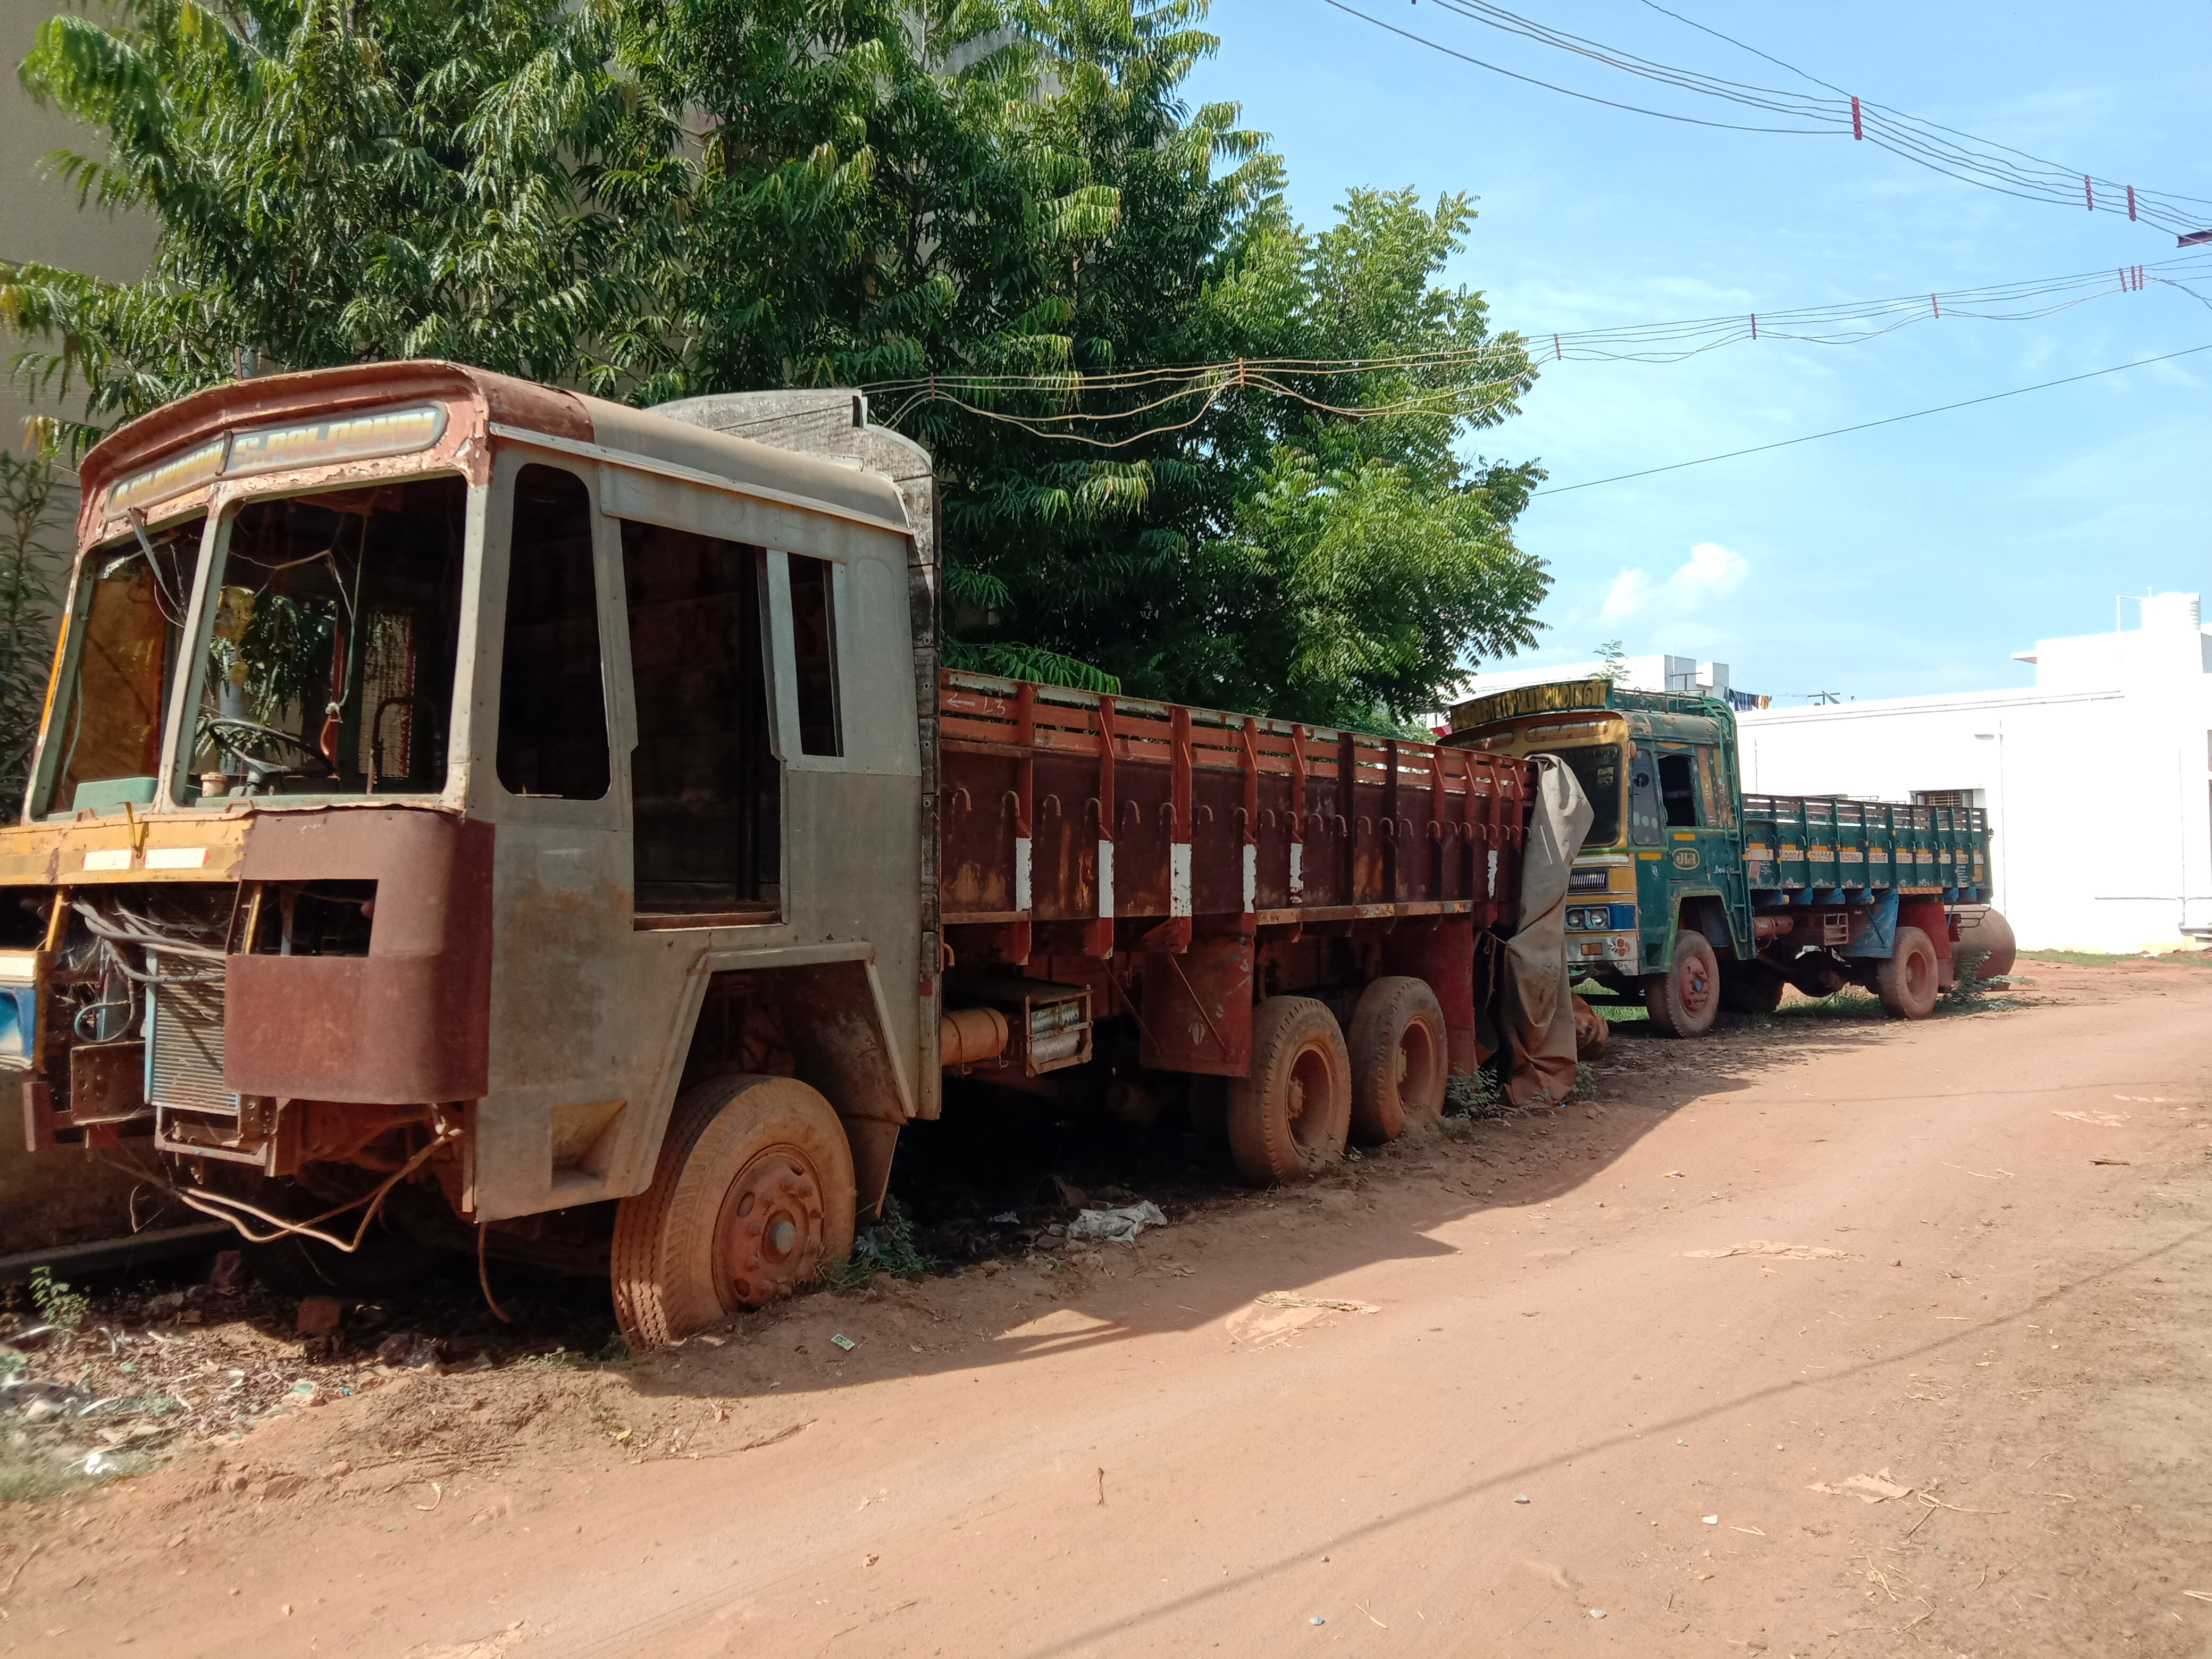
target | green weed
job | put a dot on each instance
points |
(888, 1247)
(63, 1309)
(1474, 1095)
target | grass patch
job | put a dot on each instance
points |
(613, 1352)
(1850, 1003)
(27, 1474)
(2106, 959)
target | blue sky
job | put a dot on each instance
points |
(1916, 558)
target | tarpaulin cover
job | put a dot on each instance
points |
(1540, 1003)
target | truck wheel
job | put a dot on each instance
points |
(1288, 1117)
(1906, 982)
(1982, 929)
(752, 1194)
(1750, 987)
(1684, 1000)
(1397, 1058)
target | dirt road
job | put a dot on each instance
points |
(1563, 1385)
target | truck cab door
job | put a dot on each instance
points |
(1722, 842)
(1698, 837)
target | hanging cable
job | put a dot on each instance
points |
(1864, 426)
(1927, 143)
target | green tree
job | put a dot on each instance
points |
(465, 179)
(32, 557)
(904, 194)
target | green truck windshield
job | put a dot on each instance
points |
(1596, 767)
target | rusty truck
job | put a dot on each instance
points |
(463, 803)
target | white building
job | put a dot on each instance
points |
(2098, 780)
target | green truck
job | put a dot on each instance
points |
(1695, 897)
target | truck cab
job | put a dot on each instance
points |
(1664, 851)
(442, 776)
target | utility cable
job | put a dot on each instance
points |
(1928, 143)
(1863, 426)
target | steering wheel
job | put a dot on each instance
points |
(215, 723)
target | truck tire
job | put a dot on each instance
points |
(1684, 1001)
(1983, 930)
(1288, 1117)
(753, 1192)
(1399, 1059)
(1906, 982)
(1750, 987)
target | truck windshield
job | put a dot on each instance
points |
(327, 665)
(1597, 768)
(126, 618)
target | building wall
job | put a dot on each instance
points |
(39, 219)
(2098, 780)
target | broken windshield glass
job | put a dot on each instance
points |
(331, 646)
(127, 617)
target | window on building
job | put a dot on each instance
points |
(706, 790)
(1678, 789)
(552, 697)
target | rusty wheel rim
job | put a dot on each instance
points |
(1693, 986)
(1308, 1093)
(1418, 1065)
(768, 1239)
(1919, 975)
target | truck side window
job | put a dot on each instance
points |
(552, 704)
(1644, 818)
(814, 638)
(706, 790)
(1678, 788)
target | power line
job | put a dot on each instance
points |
(1887, 419)
(1928, 143)
(1846, 323)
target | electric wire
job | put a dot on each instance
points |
(202, 1199)
(1927, 143)
(1863, 426)
(1511, 361)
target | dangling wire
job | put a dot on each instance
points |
(484, 1276)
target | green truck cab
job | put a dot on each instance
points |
(1692, 897)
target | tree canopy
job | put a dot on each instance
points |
(1001, 216)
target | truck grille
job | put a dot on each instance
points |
(183, 1042)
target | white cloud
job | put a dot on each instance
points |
(1711, 572)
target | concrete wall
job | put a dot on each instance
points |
(2098, 781)
(39, 216)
